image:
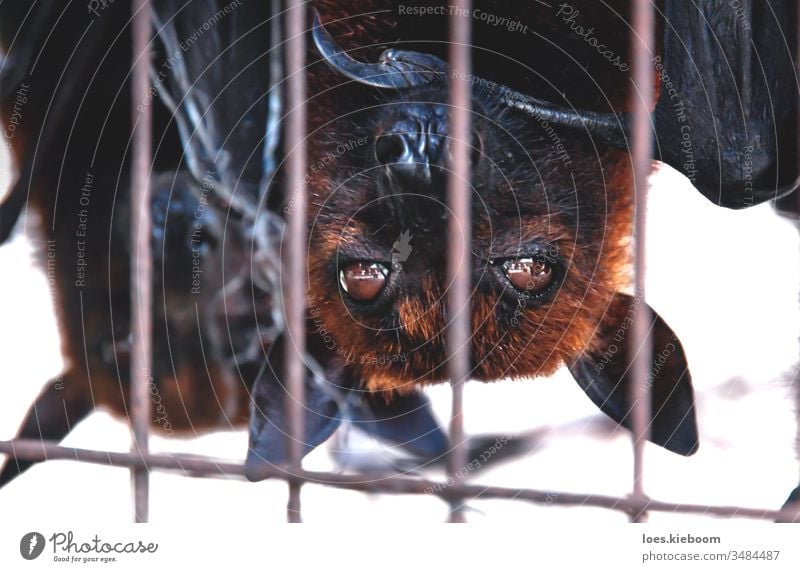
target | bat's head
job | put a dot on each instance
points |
(550, 232)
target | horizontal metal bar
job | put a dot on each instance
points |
(198, 466)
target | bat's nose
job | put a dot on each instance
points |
(415, 148)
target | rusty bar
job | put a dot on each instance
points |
(459, 241)
(294, 284)
(141, 261)
(643, 42)
(198, 466)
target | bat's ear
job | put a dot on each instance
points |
(269, 425)
(605, 373)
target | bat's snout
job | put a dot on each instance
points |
(414, 149)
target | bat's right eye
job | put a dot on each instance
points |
(363, 281)
(531, 275)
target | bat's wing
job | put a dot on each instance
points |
(52, 57)
(269, 424)
(219, 71)
(727, 111)
(406, 421)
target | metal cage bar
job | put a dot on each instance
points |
(643, 101)
(142, 261)
(294, 284)
(459, 243)
(198, 466)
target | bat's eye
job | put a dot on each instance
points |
(363, 281)
(529, 274)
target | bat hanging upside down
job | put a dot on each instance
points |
(551, 222)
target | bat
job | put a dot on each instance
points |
(551, 229)
(369, 310)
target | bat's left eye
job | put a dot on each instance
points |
(529, 275)
(363, 281)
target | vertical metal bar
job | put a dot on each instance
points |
(459, 241)
(643, 43)
(294, 285)
(141, 262)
